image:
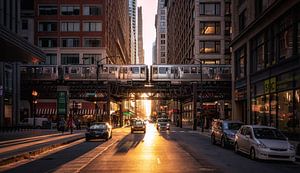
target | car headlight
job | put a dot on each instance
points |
(261, 145)
(168, 124)
(158, 124)
(292, 147)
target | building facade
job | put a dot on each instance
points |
(266, 63)
(161, 32)
(82, 32)
(132, 16)
(14, 51)
(204, 33)
(140, 58)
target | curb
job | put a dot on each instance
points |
(27, 155)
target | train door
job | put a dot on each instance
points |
(143, 73)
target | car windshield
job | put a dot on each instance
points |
(138, 122)
(98, 126)
(162, 120)
(232, 126)
(267, 133)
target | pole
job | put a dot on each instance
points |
(195, 106)
(201, 97)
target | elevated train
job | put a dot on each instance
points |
(111, 72)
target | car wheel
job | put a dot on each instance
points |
(252, 154)
(223, 143)
(213, 139)
(236, 147)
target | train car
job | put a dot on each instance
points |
(190, 72)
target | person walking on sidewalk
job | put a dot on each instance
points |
(62, 125)
(71, 124)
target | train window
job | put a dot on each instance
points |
(194, 70)
(73, 70)
(172, 70)
(199, 70)
(135, 70)
(125, 70)
(143, 70)
(186, 70)
(154, 70)
(112, 70)
(105, 69)
(163, 70)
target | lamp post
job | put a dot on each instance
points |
(34, 95)
(96, 111)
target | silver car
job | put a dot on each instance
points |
(263, 142)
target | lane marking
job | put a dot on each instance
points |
(3, 143)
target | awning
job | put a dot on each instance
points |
(46, 108)
(87, 108)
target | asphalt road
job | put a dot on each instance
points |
(176, 150)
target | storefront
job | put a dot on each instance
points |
(276, 102)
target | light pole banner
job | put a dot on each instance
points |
(62, 103)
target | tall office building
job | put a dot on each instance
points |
(83, 31)
(266, 53)
(132, 17)
(140, 59)
(154, 53)
(14, 51)
(198, 30)
(161, 32)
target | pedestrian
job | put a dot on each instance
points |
(71, 124)
(79, 124)
(62, 125)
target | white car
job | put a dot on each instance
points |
(263, 142)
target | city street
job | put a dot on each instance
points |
(177, 150)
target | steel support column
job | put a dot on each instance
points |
(195, 106)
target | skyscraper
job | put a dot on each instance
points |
(161, 32)
(140, 59)
(132, 16)
(198, 30)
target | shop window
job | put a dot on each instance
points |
(285, 38)
(240, 63)
(285, 110)
(258, 56)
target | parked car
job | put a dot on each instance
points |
(162, 123)
(138, 125)
(100, 130)
(263, 142)
(223, 132)
(39, 122)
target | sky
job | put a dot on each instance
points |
(149, 9)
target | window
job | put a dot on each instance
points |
(211, 62)
(163, 60)
(258, 53)
(285, 38)
(227, 47)
(162, 12)
(47, 26)
(70, 42)
(47, 10)
(92, 26)
(227, 8)
(162, 47)
(240, 63)
(242, 20)
(92, 10)
(211, 9)
(69, 59)
(162, 41)
(228, 29)
(209, 28)
(162, 17)
(50, 59)
(70, 10)
(24, 24)
(48, 42)
(162, 54)
(92, 42)
(209, 46)
(70, 26)
(162, 35)
(91, 58)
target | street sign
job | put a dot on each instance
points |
(62, 103)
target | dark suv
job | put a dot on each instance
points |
(223, 132)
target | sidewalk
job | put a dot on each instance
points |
(18, 145)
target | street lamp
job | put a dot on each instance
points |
(34, 95)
